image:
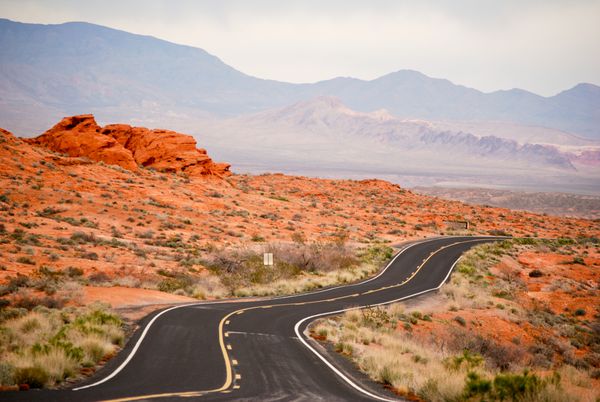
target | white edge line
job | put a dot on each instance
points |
(331, 366)
(133, 351)
(143, 335)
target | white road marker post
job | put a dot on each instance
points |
(268, 258)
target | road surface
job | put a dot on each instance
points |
(257, 350)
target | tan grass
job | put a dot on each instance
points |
(56, 343)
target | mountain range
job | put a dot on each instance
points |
(323, 136)
(404, 126)
(48, 71)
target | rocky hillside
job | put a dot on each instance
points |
(129, 147)
(308, 134)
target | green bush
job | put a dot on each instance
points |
(516, 386)
(504, 387)
(476, 386)
(466, 360)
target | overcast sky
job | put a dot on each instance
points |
(544, 46)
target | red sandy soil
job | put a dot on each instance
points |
(121, 297)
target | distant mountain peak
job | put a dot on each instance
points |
(328, 107)
(49, 71)
(381, 115)
(325, 100)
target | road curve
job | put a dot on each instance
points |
(257, 350)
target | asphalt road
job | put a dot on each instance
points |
(257, 350)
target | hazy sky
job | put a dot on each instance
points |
(543, 46)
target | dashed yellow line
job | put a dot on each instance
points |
(226, 320)
(165, 395)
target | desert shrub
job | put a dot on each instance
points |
(73, 272)
(149, 234)
(466, 360)
(14, 283)
(536, 273)
(376, 254)
(29, 302)
(578, 260)
(505, 387)
(83, 238)
(99, 277)
(497, 356)
(49, 211)
(498, 232)
(171, 285)
(90, 255)
(516, 386)
(35, 377)
(375, 317)
(25, 260)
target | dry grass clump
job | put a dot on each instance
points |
(298, 267)
(396, 360)
(426, 369)
(44, 347)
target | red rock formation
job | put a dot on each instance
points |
(165, 150)
(80, 136)
(130, 147)
(7, 136)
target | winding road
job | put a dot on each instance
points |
(257, 349)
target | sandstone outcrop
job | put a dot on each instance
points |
(129, 147)
(165, 150)
(80, 136)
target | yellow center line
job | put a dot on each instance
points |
(225, 321)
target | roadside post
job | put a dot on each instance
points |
(268, 258)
